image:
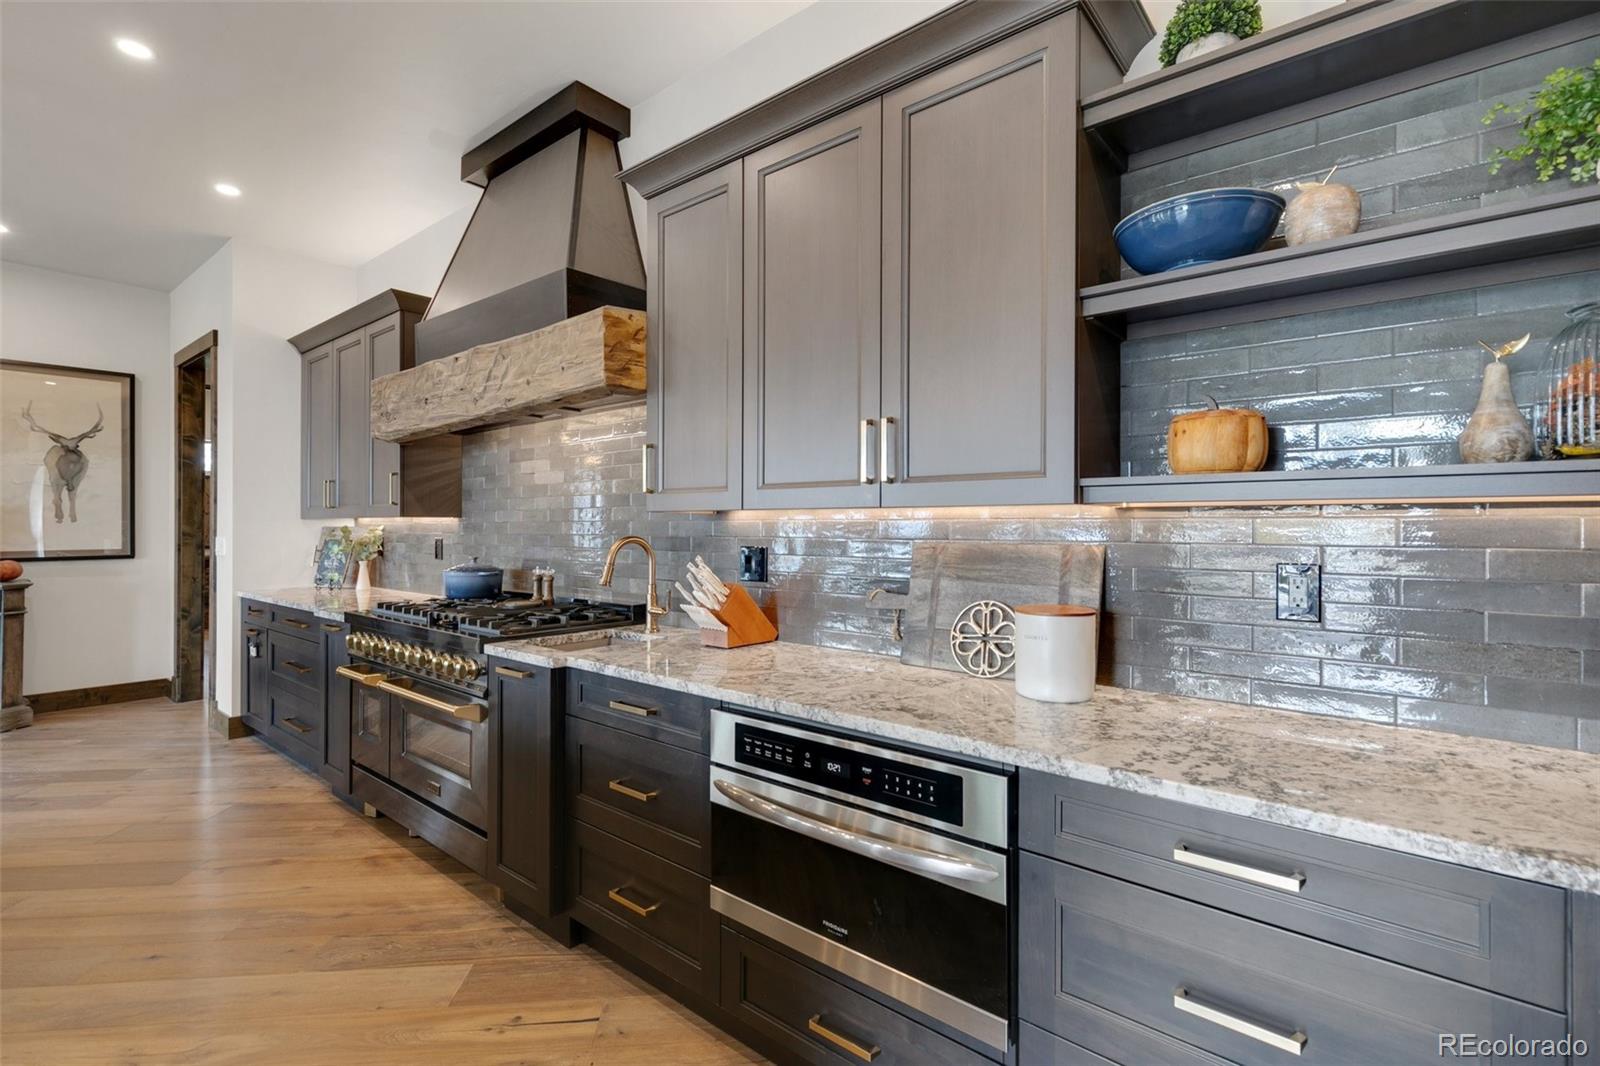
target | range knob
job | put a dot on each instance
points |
(470, 669)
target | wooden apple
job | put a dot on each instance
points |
(1322, 211)
(1225, 440)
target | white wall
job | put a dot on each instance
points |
(101, 621)
(417, 263)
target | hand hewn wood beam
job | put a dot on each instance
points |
(594, 359)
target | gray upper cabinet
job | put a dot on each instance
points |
(978, 281)
(811, 276)
(319, 430)
(351, 492)
(693, 458)
(383, 345)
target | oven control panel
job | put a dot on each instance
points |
(882, 779)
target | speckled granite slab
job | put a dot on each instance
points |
(329, 603)
(1526, 811)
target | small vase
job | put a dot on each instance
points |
(363, 578)
(1496, 432)
(1201, 45)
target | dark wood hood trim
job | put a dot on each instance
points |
(959, 29)
(575, 107)
(558, 295)
(364, 313)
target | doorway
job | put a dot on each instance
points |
(195, 404)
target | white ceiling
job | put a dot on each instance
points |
(344, 123)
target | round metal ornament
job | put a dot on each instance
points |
(983, 639)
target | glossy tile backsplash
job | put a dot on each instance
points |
(1476, 620)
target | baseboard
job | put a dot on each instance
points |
(228, 726)
(99, 695)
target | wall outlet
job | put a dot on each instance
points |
(438, 547)
(1299, 592)
(752, 563)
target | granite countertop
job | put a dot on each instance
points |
(1516, 809)
(330, 603)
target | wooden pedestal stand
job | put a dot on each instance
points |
(745, 621)
(14, 710)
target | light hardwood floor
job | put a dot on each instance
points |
(167, 896)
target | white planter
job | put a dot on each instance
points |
(1056, 652)
(1201, 45)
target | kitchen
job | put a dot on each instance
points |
(840, 574)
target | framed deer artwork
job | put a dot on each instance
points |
(66, 462)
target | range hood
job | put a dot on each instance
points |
(541, 308)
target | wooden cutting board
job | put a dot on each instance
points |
(948, 575)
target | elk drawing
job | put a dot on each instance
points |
(65, 462)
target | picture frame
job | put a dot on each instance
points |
(66, 462)
(333, 562)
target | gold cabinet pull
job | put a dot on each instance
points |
(297, 725)
(509, 671)
(842, 1042)
(435, 787)
(298, 668)
(1266, 878)
(1294, 1043)
(471, 712)
(629, 708)
(643, 910)
(296, 624)
(331, 627)
(252, 632)
(254, 610)
(360, 675)
(616, 785)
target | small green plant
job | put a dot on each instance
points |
(368, 544)
(1194, 19)
(1560, 126)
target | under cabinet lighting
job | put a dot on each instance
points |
(227, 189)
(134, 49)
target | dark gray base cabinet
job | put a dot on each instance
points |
(525, 833)
(286, 660)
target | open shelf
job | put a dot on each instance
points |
(1570, 479)
(1539, 226)
(1355, 43)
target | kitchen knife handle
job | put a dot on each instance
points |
(866, 474)
(648, 448)
(885, 438)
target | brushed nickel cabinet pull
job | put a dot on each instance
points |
(643, 910)
(628, 708)
(394, 496)
(1266, 878)
(616, 785)
(885, 437)
(333, 486)
(297, 725)
(507, 671)
(1294, 1043)
(435, 787)
(645, 455)
(866, 474)
(842, 1042)
(297, 667)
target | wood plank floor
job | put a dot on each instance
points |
(167, 896)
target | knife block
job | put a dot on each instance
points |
(746, 623)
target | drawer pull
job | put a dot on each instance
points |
(296, 624)
(616, 785)
(298, 668)
(332, 627)
(254, 610)
(1266, 878)
(629, 708)
(297, 725)
(252, 632)
(507, 671)
(842, 1042)
(643, 910)
(1294, 1043)
(435, 787)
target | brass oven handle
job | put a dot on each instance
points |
(370, 678)
(508, 671)
(866, 475)
(1266, 878)
(885, 436)
(297, 667)
(842, 1042)
(629, 708)
(645, 477)
(296, 624)
(642, 910)
(471, 712)
(1294, 1043)
(616, 785)
(297, 725)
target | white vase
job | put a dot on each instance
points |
(363, 578)
(1201, 45)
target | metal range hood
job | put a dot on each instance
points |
(552, 236)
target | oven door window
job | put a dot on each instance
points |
(369, 729)
(437, 746)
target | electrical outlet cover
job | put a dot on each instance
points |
(1299, 592)
(752, 563)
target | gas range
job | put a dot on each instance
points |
(446, 640)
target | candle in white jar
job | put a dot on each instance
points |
(1056, 652)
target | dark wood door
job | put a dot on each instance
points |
(319, 428)
(524, 830)
(369, 729)
(979, 285)
(441, 758)
(812, 240)
(692, 456)
(384, 344)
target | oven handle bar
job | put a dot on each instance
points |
(917, 860)
(472, 712)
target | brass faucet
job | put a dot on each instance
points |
(653, 611)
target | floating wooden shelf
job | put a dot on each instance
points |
(1539, 226)
(1572, 479)
(1354, 44)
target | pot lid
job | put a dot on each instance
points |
(472, 568)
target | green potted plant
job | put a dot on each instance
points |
(365, 545)
(1200, 26)
(1560, 126)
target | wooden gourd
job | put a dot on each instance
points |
(1226, 440)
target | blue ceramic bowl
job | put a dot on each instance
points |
(1197, 227)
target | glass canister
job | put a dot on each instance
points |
(1570, 425)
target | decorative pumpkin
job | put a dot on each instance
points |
(10, 569)
(1322, 211)
(1219, 440)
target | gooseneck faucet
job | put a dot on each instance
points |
(653, 610)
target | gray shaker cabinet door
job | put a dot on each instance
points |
(380, 461)
(811, 275)
(319, 429)
(692, 454)
(352, 495)
(978, 278)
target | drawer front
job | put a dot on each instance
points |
(819, 1020)
(648, 793)
(1039, 1048)
(658, 912)
(675, 718)
(1234, 987)
(1491, 931)
(298, 720)
(295, 663)
(1100, 1037)
(291, 620)
(255, 613)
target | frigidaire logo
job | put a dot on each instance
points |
(838, 932)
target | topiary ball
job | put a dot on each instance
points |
(1196, 18)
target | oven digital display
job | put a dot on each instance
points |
(930, 793)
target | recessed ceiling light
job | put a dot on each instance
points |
(134, 49)
(226, 189)
(47, 381)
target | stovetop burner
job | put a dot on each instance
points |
(507, 617)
